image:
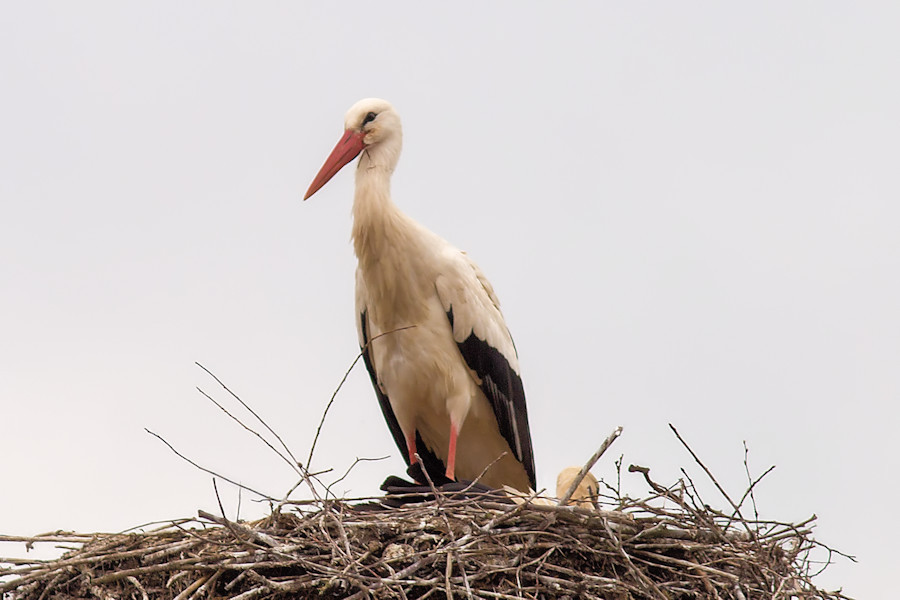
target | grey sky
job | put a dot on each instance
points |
(689, 212)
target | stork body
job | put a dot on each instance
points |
(434, 340)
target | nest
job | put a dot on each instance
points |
(465, 543)
(666, 546)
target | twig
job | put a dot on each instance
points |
(750, 493)
(292, 463)
(362, 351)
(712, 478)
(751, 482)
(191, 588)
(136, 583)
(252, 412)
(639, 576)
(231, 526)
(350, 468)
(204, 469)
(590, 463)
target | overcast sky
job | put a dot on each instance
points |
(689, 211)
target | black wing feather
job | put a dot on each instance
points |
(433, 465)
(503, 388)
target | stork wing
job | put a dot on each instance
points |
(487, 347)
(432, 464)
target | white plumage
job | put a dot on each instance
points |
(437, 348)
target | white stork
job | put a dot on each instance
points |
(441, 359)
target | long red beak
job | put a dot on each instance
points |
(346, 150)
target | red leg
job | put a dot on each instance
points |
(411, 448)
(451, 453)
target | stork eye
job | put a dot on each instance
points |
(369, 118)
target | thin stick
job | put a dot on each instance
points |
(73, 538)
(350, 468)
(750, 492)
(293, 464)
(205, 470)
(590, 463)
(712, 478)
(638, 575)
(362, 351)
(252, 412)
(227, 522)
(305, 476)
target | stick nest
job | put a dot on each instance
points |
(669, 545)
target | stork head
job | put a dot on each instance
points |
(372, 125)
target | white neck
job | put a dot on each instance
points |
(375, 216)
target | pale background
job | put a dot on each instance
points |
(689, 210)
